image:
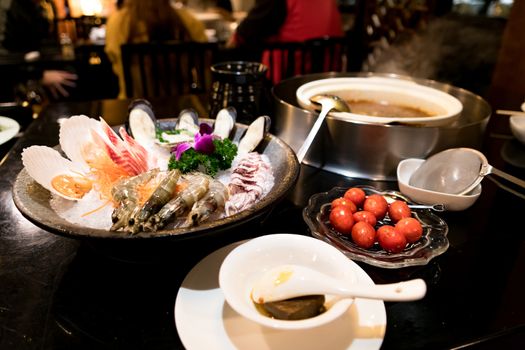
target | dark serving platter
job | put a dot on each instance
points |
(33, 200)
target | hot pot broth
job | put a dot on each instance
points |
(386, 109)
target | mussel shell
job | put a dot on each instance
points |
(225, 122)
(188, 119)
(141, 103)
(132, 126)
(254, 135)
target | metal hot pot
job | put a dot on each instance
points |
(373, 151)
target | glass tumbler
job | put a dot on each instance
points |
(242, 85)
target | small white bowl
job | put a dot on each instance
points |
(249, 261)
(444, 107)
(517, 126)
(452, 202)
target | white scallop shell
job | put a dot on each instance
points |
(44, 163)
(75, 133)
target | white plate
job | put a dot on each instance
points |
(205, 321)
(8, 129)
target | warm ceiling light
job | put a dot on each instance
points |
(91, 7)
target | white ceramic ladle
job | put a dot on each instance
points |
(328, 103)
(290, 281)
(456, 171)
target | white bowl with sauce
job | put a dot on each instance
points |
(383, 100)
(248, 262)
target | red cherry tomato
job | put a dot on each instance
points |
(365, 216)
(344, 201)
(363, 234)
(398, 210)
(390, 239)
(356, 195)
(341, 218)
(377, 205)
(410, 228)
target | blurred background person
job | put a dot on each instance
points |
(25, 29)
(212, 5)
(288, 21)
(139, 21)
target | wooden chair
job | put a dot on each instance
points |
(285, 60)
(167, 68)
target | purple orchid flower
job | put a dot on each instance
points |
(181, 148)
(205, 129)
(204, 143)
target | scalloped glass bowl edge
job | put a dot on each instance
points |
(433, 243)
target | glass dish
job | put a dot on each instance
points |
(433, 242)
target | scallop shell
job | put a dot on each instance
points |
(224, 122)
(75, 135)
(44, 163)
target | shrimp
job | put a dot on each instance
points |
(162, 194)
(213, 200)
(125, 192)
(197, 187)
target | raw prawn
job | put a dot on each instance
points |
(162, 194)
(197, 187)
(125, 192)
(214, 199)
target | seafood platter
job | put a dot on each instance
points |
(182, 177)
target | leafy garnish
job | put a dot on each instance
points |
(159, 132)
(220, 159)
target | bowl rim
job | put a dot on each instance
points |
(231, 263)
(433, 96)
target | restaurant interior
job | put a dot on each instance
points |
(72, 278)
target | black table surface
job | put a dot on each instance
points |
(61, 293)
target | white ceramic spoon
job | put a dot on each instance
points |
(290, 281)
(328, 103)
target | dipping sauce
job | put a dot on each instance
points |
(298, 308)
(386, 109)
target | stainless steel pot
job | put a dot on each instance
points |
(372, 151)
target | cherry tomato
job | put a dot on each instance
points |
(410, 228)
(398, 210)
(356, 195)
(390, 239)
(377, 205)
(365, 216)
(363, 234)
(341, 218)
(344, 201)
